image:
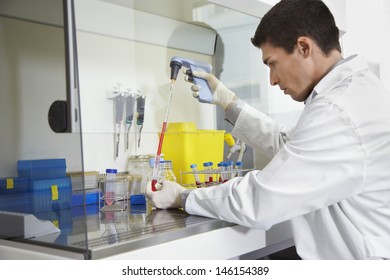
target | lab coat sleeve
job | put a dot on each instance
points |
(260, 131)
(321, 165)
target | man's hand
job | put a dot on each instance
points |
(167, 195)
(222, 96)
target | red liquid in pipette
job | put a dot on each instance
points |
(161, 140)
(157, 160)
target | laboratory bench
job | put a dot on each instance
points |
(139, 232)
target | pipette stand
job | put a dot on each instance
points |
(120, 113)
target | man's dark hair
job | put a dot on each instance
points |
(290, 19)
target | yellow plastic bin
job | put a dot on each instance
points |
(186, 145)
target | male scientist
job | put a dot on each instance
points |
(330, 175)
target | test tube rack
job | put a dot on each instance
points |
(216, 174)
(117, 202)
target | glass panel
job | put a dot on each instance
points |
(35, 90)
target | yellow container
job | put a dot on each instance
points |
(185, 145)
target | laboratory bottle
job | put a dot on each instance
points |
(166, 171)
(239, 168)
(195, 171)
(109, 190)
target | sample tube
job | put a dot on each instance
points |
(211, 177)
(231, 169)
(196, 175)
(239, 168)
(219, 171)
(109, 191)
(225, 172)
(208, 176)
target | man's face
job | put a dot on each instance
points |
(293, 73)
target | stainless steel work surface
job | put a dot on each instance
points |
(103, 234)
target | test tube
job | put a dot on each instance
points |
(225, 173)
(231, 169)
(219, 171)
(210, 172)
(196, 175)
(109, 191)
(207, 173)
(239, 168)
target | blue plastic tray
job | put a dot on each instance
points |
(50, 195)
(41, 169)
(13, 185)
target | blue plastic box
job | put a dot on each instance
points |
(42, 169)
(50, 195)
(13, 185)
(137, 199)
(91, 197)
(16, 202)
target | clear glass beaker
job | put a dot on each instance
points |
(139, 171)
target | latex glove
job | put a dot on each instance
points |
(222, 96)
(167, 195)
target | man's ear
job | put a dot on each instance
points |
(305, 45)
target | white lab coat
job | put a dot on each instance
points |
(330, 176)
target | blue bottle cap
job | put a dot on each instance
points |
(193, 165)
(239, 163)
(111, 171)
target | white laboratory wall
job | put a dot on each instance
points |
(135, 61)
(337, 7)
(368, 24)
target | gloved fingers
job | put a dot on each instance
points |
(170, 185)
(149, 190)
(188, 77)
(211, 80)
(195, 88)
(158, 186)
(201, 74)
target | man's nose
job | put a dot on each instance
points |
(273, 79)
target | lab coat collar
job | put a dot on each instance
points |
(339, 72)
